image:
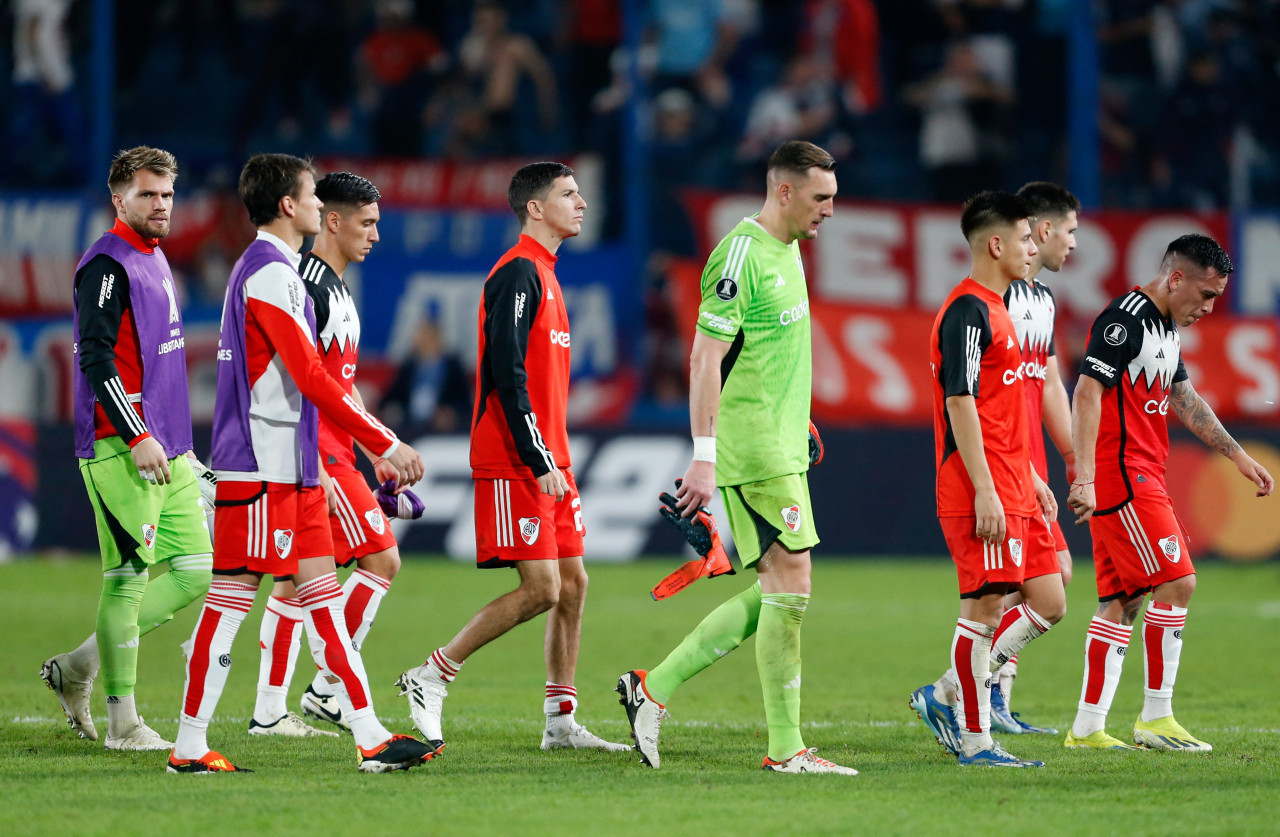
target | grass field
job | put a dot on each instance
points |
(874, 631)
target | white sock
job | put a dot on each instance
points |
(278, 638)
(361, 596)
(441, 667)
(1162, 626)
(559, 705)
(971, 661)
(84, 661)
(122, 715)
(1104, 650)
(1017, 628)
(209, 661)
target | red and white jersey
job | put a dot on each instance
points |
(1135, 352)
(338, 332)
(1032, 309)
(973, 350)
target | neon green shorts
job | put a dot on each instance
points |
(777, 509)
(137, 519)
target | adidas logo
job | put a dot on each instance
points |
(1009, 345)
(1027, 315)
(794, 684)
(781, 282)
(549, 296)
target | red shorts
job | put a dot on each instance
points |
(1059, 542)
(268, 527)
(1139, 546)
(1026, 552)
(359, 526)
(515, 521)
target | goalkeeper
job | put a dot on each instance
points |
(749, 394)
(133, 439)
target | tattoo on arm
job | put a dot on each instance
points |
(1200, 420)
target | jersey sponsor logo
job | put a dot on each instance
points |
(173, 300)
(795, 313)
(1100, 367)
(791, 518)
(283, 539)
(1171, 548)
(376, 521)
(1034, 369)
(726, 289)
(296, 295)
(519, 306)
(104, 293)
(1115, 334)
(560, 338)
(148, 535)
(1015, 551)
(1154, 407)
(719, 323)
(172, 346)
(529, 528)
(348, 370)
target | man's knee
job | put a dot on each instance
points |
(385, 564)
(1177, 592)
(573, 586)
(540, 588)
(784, 571)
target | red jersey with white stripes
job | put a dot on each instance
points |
(338, 340)
(1135, 352)
(1032, 309)
(518, 430)
(973, 350)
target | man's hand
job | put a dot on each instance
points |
(150, 461)
(1082, 501)
(398, 502)
(384, 471)
(1048, 503)
(990, 514)
(703, 535)
(553, 482)
(696, 488)
(816, 450)
(330, 496)
(408, 464)
(1254, 472)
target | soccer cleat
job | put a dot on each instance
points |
(210, 762)
(644, 714)
(579, 737)
(288, 725)
(1096, 741)
(1001, 720)
(139, 737)
(72, 694)
(323, 708)
(399, 752)
(938, 717)
(806, 762)
(1167, 734)
(1031, 729)
(426, 703)
(995, 756)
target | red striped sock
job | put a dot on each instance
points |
(278, 638)
(443, 667)
(1104, 651)
(560, 700)
(971, 661)
(209, 660)
(1018, 627)
(362, 594)
(1162, 626)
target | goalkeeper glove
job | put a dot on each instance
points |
(207, 480)
(703, 535)
(404, 505)
(815, 446)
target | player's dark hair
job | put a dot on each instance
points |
(531, 182)
(266, 179)
(142, 158)
(798, 156)
(1048, 200)
(344, 189)
(1200, 250)
(987, 209)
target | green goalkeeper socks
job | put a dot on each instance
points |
(187, 580)
(778, 661)
(122, 592)
(723, 630)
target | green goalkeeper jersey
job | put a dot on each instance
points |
(754, 296)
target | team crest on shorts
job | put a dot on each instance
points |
(1171, 548)
(529, 528)
(1015, 551)
(376, 520)
(284, 542)
(148, 535)
(791, 517)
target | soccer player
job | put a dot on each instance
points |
(749, 393)
(133, 438)
(1055, 216)
(361, 533)
(272, 517)
(528, 513)
(992, 506)
(1132, 375)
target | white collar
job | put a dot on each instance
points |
(294, 257)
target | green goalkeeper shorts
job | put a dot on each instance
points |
(137, 519)
(777, 509)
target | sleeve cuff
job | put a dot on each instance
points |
(136, 439)
(387, 453)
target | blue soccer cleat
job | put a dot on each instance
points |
(996, 756)
(938, 717)
(1001, 720)
(1031, 729)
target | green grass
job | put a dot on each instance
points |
(874, 631)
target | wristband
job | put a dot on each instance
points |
(1074, 484)
(704, 449)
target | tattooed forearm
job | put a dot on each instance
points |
(1200, 420)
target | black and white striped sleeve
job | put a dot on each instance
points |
(963, 335)
(102, 303)
(511, 298)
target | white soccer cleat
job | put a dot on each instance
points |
(139, 737)
(323, 708)
(72, 694)
(579, 737)
(643, 714)
(806, 762)
(426, 695)
(288, 726)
